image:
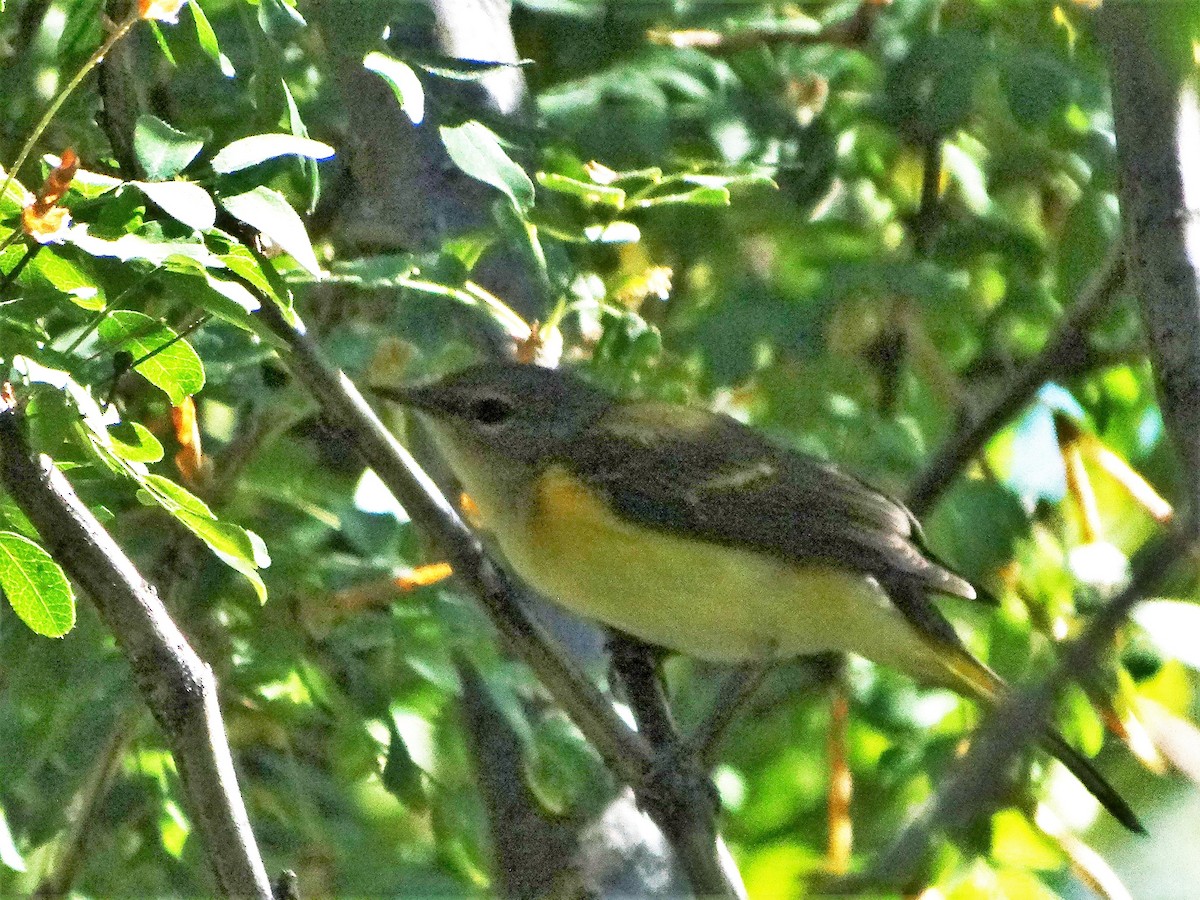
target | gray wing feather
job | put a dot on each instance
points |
(722, 481)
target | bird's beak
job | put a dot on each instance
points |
(417, 397)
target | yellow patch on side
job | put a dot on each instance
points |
(565, 501)
(700, 598)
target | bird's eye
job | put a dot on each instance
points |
(491, 410)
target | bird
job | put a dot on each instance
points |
(693, 532)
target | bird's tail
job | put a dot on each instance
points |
(965, 674)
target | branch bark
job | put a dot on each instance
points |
(177, 684)
(627, 753)
(1156, 113)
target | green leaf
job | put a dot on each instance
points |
(133, 441)
(163, 151)
(208, 40)
(239, 548)
(36, 587)
(235, 291)
(174, 828)
(14, 197)
(401, 775)
(66, 276)
(307, 166)
(402, 80)
(174, 366)
(34, 372)
(250, 151)
(130, 247)
(269, 212)
(1038, 86)
(587, 191)
(161, 40)
(279, 19)
(476, 150)
(697, 196)
(617, 232)
(189, 203)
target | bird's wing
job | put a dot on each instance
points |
(701, 474)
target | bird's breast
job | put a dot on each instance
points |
(707, 600)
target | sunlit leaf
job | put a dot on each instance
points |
(134, 442)
(163, 151)
(36, 587)
(1174, 626)
(189, 203)
(172, 364)
(129, 247)
(174, 828)
(240, 549)
(402, 80)
(697, 196)
(477, 151)
(207, 39)
(269, 212)
(251, 151)
(279, 18)
(401, 775)
(589, 192)
(457, 69)
(9, 854)
(67, 276)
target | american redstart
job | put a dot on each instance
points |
(692, 532)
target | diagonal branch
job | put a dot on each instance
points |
(1067, 343)
(1156, 113)
(178, 685)
(627, 753)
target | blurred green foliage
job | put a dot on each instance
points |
(729, 204)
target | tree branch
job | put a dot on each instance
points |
(178, 686)
(1156, 114)
(1067, 343)
(57, 883)
(627, 753)
(532, 848)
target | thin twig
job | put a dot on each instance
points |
(177, 684)
(839, 842)
(1064, 346)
